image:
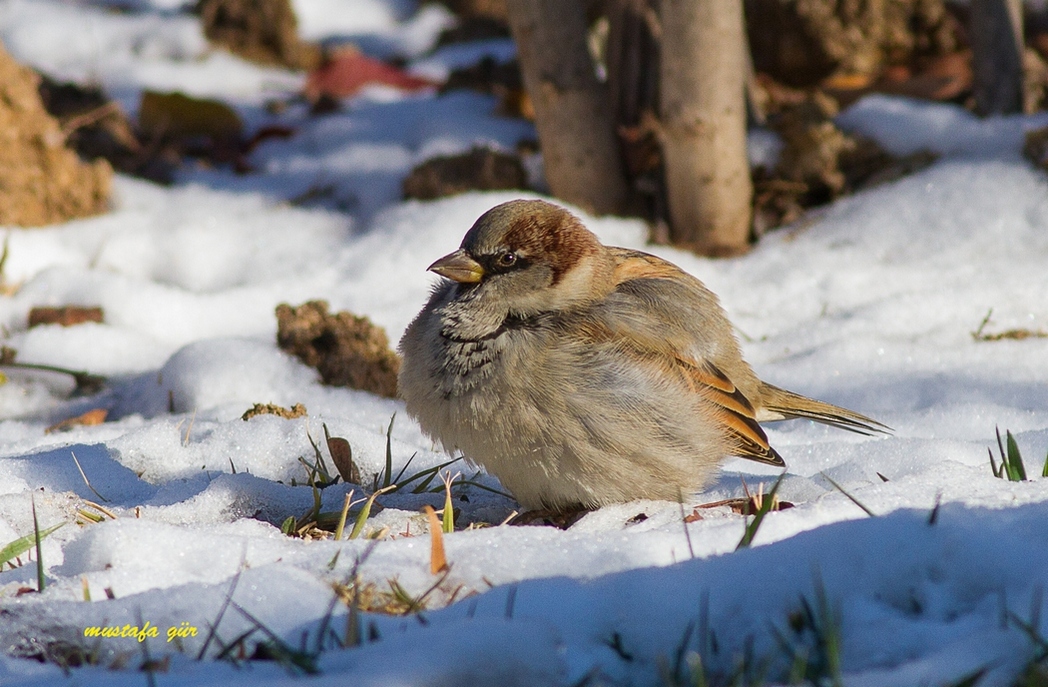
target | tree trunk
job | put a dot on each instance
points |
(996, 33)
(632, 61)
(703, 112)
(579, 146)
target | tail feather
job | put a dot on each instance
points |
(779, 404)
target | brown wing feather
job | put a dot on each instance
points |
(633, 264)
(734, 411)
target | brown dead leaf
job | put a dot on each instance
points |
(944, 77)
(438, 562)
(175, 115)
(342, 456)
(742, 505)
(90, 418)
(67, 315)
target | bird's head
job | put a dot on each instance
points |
(529, 256)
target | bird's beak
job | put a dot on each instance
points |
(458, 267)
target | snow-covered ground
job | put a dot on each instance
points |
(869, 304)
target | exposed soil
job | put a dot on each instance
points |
(42, 181)
(481, 169)
(263, 31)
(803, 42)
(347, 350)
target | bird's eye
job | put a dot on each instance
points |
(507, 259)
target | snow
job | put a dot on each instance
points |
(869, 303)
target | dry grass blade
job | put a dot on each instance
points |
(104, 511)
(85, 516)
(438, 562)
(1018, 334)
(86, 480)
(850, 497)
(342, 516)
(365, 512)
(758, 517)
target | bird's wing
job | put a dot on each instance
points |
(733, 410)
(670, 320)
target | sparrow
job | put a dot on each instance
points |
(581, 374)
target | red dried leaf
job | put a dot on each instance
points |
(349, 70)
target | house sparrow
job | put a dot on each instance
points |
(581, 374)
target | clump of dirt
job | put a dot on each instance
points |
(1035, 147)
(475, 28)
(494, 10)
(347, 350)
(819, 163)
(262, 31)
(802, 42)
(296, 411)
(500, 79)
(481, 169)
(486, 76)
(813, 145)
(171, 127)
(41, 180)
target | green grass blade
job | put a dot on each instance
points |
(40, 582)
(319, 467)
(19, 546)
(493, 490)
(997, 472)
(1014, 460)
(429, 474)
(448, 520)
(388, 479)
(400, 474)
(1044, 470)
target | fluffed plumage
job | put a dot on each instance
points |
(581, 374)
